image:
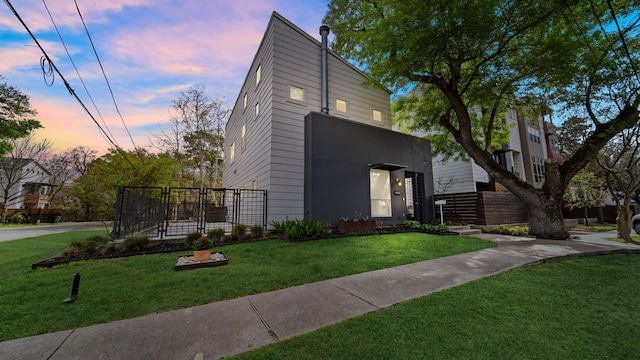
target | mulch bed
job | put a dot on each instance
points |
(166, 247)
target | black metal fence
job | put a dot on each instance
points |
(164, 212)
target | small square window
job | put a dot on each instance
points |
(257, 109)
(341, 106)
(296, 93)
(258, 74)
(377, 115)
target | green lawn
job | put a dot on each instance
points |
(31, 300)
(585, 308)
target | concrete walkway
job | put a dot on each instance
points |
(238, 325)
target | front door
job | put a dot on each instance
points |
(414, 187)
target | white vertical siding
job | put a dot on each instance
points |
(453, 176)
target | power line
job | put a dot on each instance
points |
(624, 43)
(77, 72)
(104, 74)
(66, 84)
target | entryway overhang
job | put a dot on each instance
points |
(387, 166)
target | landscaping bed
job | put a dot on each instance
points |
(167, 246)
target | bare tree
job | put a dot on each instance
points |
(620, 160)
(196, 136)
(66, 167)
(21, 170)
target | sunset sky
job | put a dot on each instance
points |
(151, 50)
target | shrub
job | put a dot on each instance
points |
(412, 224)
(511, 230)
(215, 234)
(427, 227)
(443, 228)
(257, 231)
(278, 227)
(191, 237)
(238, 231)
(86, 246)
(298, 229)
(17, 219)
(108, 249)
(135, 242)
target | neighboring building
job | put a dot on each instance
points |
(523, 155)
(27, 182)
(307, 129)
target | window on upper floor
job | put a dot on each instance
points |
(254, 186)
(232, 152)
(377, 115)
(341, 106)
(257, 109)
(244, 102)
(243, 137)
(296, 93)
(258, 74)
(534, 135)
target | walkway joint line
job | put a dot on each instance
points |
(356, 296)
(264, 322)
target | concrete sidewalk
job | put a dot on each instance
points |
(234, 326)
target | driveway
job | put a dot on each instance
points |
(14, 233)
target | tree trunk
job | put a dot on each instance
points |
(600, 215)
(545, 218)
(623, 222)
(586, 216)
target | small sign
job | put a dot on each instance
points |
(396, 193)
(441, 202)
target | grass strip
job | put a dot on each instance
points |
(585, 308)
(31, 300)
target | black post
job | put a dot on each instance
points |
(74, 289)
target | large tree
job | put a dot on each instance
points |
(196, 137)
(464, 56)
(17, 118)
(98, 185)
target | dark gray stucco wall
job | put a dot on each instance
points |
(338, 153)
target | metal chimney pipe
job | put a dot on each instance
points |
(324, 32)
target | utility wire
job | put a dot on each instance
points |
(66, 84)
(105, 76)
(78, 72)
(624, 43)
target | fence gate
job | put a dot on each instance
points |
(166, 212)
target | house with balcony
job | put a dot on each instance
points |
(24, 184)
(307, 128)
(472, 196)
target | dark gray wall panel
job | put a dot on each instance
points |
(338, 153)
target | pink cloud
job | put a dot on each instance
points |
(66, 124)
(34, 13)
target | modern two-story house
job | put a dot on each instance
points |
(307, 128)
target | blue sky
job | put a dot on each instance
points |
(151, 50)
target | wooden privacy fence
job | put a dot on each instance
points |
(483, 208)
